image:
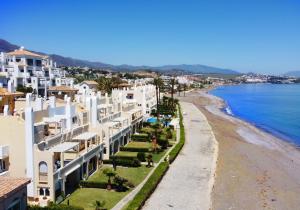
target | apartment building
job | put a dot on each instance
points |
(140, 93)
(28, 69)
(58, 142)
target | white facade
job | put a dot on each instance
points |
(31, 70)
(61, 142)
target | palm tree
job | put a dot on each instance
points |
(172, 81)
(184, 88)
(99, 205)
(179, 88)
(109, 173)
(157, 82)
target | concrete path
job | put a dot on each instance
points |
(189, 181)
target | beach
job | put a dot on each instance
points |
(255, 170)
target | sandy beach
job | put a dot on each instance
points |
(255, 170)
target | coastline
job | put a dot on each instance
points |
(255, 170)
(273, 132)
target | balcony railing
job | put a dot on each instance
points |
(76, 163)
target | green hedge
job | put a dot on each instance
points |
(125, 162)
(141, 197)
(175, 151)
(140, 137)
(120, 157)
(134, 149)
(93, 184)
(55, 207)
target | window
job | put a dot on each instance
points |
(29, 62)
(38, 62)
(43, 167)
(18, 59)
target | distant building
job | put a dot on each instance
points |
(13, 193)
(28, 69)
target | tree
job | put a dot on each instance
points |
(99, 205)
(109, 173)
(157, 82)
(184, 88)
(172, 81)
(179, 88)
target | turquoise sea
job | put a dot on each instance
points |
(274, 108)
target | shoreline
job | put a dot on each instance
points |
(255, 170)
(282, 142)
(271, 131)
(273, 141)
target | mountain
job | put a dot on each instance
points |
(5, 46)
(293, 74)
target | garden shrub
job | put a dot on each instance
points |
(164, 143)
(125, 162)
(146, 124)
(93, 184)
(144, 137)
(118, 157)
(141, 156)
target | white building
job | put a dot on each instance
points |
(30, 69)
(60, 142)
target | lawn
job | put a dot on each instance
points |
(157, 156)
(86, 197)
(134, 175)
(137, 144)
(126, 154)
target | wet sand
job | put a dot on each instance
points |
(255, 170)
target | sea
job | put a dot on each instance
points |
(274, 108)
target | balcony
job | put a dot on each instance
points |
(4, 151)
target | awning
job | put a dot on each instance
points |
(84, 136)
(63, 147)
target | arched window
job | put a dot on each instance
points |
(43, 168)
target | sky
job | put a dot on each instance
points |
(246, 35)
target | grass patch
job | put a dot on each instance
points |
(138, 144)
(134, 175)
(126, 154)
(86, 197)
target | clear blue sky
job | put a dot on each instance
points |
(253, 35)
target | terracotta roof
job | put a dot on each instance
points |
(25, 52)
(90, 82)
(9, 184)
(4, 92)
(62, 88)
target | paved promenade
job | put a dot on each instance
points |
(188, 183)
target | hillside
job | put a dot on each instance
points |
(5, 46)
